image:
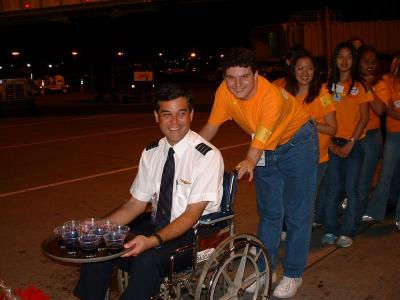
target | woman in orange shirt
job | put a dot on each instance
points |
(369, 75)
(345, 153)
(391, 155)
(303, 82)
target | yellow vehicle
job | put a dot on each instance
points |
(53, 85)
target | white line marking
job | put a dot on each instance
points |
(75, 137)
(80, 137)
(60, 120)
(40, 187)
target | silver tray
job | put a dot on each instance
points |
(51, 248)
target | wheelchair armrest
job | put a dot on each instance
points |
(178, 252)
(216, 217)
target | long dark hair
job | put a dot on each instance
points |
(292, 85)
(334, 76)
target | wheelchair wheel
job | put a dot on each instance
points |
(233, 267)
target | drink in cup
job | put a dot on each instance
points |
(114, 241)
(100, 231)
(71, 240)
(58, 234)
(89, 244)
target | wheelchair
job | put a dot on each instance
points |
(223, 263)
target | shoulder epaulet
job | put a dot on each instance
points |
(152, 145)
(203, 148)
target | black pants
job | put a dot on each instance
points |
(146, 271)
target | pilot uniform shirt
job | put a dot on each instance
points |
(198, 175)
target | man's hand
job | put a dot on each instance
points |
(138, 245)
(245, 166)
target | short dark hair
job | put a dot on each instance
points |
(171, 91)
(239, 57)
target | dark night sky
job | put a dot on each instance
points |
(175, 26)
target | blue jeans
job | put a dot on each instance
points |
(285, 186)
(343, 171)
(391, 156)
(320, 195)
(372, 147)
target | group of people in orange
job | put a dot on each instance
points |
(349, 110)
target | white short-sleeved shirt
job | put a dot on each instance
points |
(198, 174)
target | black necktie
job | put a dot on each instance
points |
(164, 204)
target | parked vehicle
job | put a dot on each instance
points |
(16, 95)
(52, 85)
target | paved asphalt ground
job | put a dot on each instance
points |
(77, 159)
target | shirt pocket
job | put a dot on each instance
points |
(182, 194)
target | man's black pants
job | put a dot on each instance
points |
(146, 271)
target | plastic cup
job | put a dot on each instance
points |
(74, 224)
(89, 244)
(114, 241)
(107, 224)
(58, 234)
(120, 229)
(71, 240)
(100, 232)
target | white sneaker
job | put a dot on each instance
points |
(283, 236)
(287, 287)
(252, 288)
(344, 242)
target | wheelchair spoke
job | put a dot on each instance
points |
(241, 268)
(228, 280)
(249, 280)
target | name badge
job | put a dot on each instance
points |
(337, 88)
(261, 161)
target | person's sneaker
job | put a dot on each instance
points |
(366, 218)
(252, 287)
(344, 242)
(398, 225)
(287, 287)
(369, 220)
(343, 205)
(283, 236)
(328, 239)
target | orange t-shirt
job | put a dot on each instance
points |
(280, 82)
(348, 107)
(321, 106)
(382, 91)
(272, 114)
(393, 125)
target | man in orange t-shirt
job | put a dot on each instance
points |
(283, 153)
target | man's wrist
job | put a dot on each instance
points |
(158, 238)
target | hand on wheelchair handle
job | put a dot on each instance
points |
(245, 166)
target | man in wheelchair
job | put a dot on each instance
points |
(181, 175)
